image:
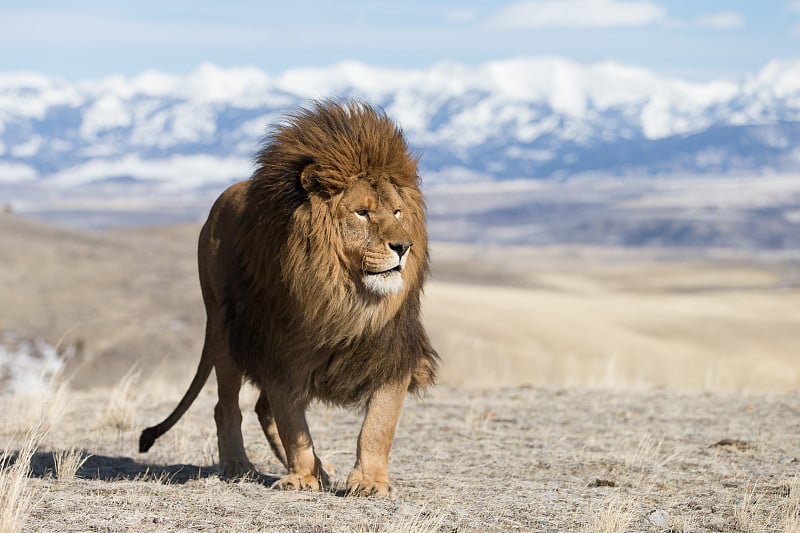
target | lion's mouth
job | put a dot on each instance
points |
(398, 268)
(384, 282)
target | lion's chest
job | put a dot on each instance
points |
(338, 354)
(350, 375)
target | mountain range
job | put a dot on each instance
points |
(520, 151)
(526, 118)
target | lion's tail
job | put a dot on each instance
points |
(149, 435)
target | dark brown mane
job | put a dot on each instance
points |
(289, 273)
(342, 140)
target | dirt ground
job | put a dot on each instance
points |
(581, 390)
(500, 459)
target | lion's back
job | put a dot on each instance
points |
(217, 242)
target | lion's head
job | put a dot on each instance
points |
(376, 242)
(355, 218)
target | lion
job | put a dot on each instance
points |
(311, 274)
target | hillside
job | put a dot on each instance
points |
(551, 316)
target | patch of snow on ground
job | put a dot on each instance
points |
(27, 364)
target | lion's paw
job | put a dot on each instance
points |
(234, 469)
(361, 485)
(300, 482)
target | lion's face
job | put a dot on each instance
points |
(376, 240)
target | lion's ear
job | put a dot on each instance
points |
(314, 179)
(309, 177)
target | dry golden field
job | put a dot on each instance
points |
(582, 390)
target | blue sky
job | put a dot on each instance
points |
(698, 40)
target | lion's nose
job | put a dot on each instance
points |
(400, 247)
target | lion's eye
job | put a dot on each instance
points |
(397, 213)
(363, 213)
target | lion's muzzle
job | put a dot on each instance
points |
(382, 272)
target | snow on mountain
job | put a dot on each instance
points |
(519, 118)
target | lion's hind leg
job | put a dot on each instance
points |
(233, 461)
(267, 421)
(270, 427)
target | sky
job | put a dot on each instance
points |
(691, 39)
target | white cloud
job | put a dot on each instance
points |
(530, 14)
(795, 6)
(724, 20)
(28, 148)
(16, 172)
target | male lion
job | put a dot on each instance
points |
(311, 273)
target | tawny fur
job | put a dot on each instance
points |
(287, 269)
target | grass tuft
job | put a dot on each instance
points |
(16, 494)
(615, 518)
(120, 412)
(791, 523)
(68, 462)
(41, 410)
(421, 522)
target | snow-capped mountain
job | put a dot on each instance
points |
(519, 118)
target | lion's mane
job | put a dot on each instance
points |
(295, 314)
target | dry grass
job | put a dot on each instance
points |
(41, 409)
(679, 523)
(420, 522)
(16, 494)
(791, 522)
(602, 336)
(754, 512)
(616, 517)
(748, 513)
(511, 459)
(68, 462)
(121, 409)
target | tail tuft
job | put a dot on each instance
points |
(148, 438)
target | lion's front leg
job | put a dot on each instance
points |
(305, 468)
(370, 475)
